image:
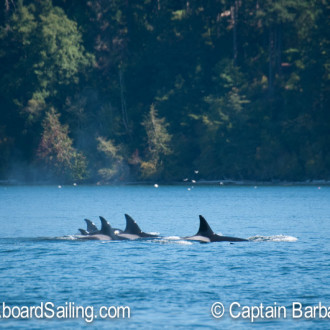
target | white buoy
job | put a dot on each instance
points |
(193, 181)
(59, 186)
(156, 185)
(74, 184)
(196, 171)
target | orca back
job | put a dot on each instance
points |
(204, 228)
(106, 228)
(131, 226)
(91, 227)
(83, 232)
(206, 231)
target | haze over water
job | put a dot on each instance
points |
(169, 282)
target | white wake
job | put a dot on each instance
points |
(274, 238)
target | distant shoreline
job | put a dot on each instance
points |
(175, 183)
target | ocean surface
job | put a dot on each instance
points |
(167, 282)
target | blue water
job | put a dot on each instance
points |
(167, 283)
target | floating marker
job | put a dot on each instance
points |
(59, 187)
(74, 184)
(193, 181)
(196, 171)
(156, 185)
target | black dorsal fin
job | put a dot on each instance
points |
(204, 228)
(91, 227)
(131, 226)
(106, 228)
(83, 231)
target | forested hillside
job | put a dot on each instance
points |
(139, 90)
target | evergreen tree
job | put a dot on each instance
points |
(158, 141)
(56, 151)
(240, 87)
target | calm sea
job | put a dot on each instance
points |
(168, 282)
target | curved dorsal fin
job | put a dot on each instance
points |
(106, 228)
(91, 227)
(204, 228)
(83, 231)
(131, 226)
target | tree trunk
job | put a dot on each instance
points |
(270, 63)
(233, 11)
(123, 101)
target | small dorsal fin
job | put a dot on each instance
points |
(204, 228)
(131, 226)
(83, 231)
(106, 228)
(91, 227)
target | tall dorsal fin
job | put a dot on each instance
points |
(131, 226)
(91, 227)
(204, 228)
(106, 228)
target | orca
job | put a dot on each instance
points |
(206, 235)
(106, 233)
(133, 231)
(91, 227)
(83, 232)
(93, 230)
